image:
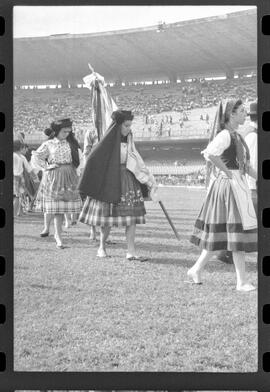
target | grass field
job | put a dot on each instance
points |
(74, 312)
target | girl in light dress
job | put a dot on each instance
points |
(58, 194)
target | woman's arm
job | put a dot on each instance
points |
(217, 161)
(39, 157)
(251, 172)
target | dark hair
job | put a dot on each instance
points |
(17, 145)
(74, 146)
(227, 114)
(56, 127)
(120, 116)
(238, 103)
(49, 132)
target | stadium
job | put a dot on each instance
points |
(74, 311)
(170, 82)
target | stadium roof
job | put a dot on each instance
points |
(217, 44)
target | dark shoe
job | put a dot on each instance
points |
(46, 234)
(109, 242)
(137, 258)
(60, 246)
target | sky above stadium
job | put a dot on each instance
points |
(36, 21)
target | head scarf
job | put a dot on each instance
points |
(101, 176)
(222, 116)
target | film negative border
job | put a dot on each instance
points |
(10, 380)
(263, 189)
(6, 225)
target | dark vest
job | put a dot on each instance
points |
(229, 155)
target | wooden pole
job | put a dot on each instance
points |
(169, 220)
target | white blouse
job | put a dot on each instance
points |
(52, 151)
(252, 142)
(123, 153)
(19, 163)
(219, 144)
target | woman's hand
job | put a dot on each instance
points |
(251, 172)
(52, 166)
(154, 194)
(220, 165)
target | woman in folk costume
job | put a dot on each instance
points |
(20, 167)
(112, 180)
(227, 220)
(59, 158)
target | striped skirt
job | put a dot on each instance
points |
(58, 192)
(218, 226)
(130, 210)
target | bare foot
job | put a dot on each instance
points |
(59, 243)
(101, 253)
(195, 276)
(245, 287)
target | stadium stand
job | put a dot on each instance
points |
(182, 49)
(170, 110)
(146, 81)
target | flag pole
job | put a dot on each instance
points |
(169, 220)
(91, 68)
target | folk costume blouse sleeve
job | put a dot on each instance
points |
(219, 144)
(40, 156)
(53, 152)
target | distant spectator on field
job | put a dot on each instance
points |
(169, 129)
(20, 167)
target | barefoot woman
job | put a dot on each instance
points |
(227, 220)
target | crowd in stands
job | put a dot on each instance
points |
(152, 99)
(35, 109)
(193, 179)
(163, 110)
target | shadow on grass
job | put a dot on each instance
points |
(36, 237)
(57, 288)
(29, 218)
(178, 217)
(213, 266)
(19, 249)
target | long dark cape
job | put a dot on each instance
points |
(101, 176)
